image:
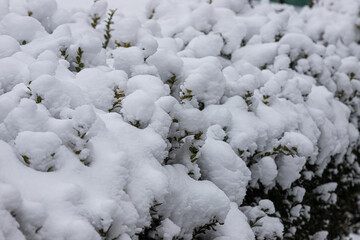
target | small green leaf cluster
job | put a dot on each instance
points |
(109, 21)
(79, 65)
(210, 226)
(119, 95)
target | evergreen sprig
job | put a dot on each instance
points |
(95, 20)
(108, 29)
(79, 64)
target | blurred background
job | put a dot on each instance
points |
(293, 2)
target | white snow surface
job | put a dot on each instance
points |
(188, 105)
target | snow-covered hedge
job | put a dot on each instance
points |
(204, 119)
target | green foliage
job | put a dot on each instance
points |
(122, 44)
(266, 99)
(278, 37)
(201, 106)
(248, 98)
(195, 146)
(285, 150)
(263, 67)
(210, 226)
(64, 53)
(255, 223)
(149, 232)
(95, 19)
(151, 15)
(336, 218)
(38, 229)
(104, 233)
(79, 65)
(172, 82)
(26, 159)
(187, 95)
(136, 124)
(316, 214)
(194, 151)
(108, 29)
(79, 144)
(119, 95)
(38, 99)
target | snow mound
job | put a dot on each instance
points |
(223, 120)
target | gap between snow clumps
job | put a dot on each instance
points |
(193, 119)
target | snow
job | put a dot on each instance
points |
(265, 171)
(169, 229)
(208, 45)
(134, 7)
(38, 149)
(27, 116)
(138, 107)
(289, 170)
(263, 225)
(8, 46)
(322, 235)
(206, 83)
(163, 133)
(22, 28)
(193, 120)
(99, 8)
(298, 142)
(256, 54)
(198, 209)
(221, 166)
(13, 72)
(167, 69)
(235, 226)
(149, 84)
(354, 236)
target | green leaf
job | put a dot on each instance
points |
(38, 229)
(26, 159)
(193, 149)
(38, 99)
(187, 96)
(352, 75)
(198, 135)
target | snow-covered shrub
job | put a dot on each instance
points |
(198, 120)
(38, 149)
